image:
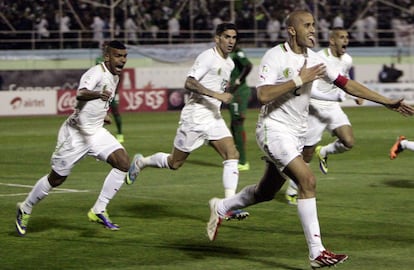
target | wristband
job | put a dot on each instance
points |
(341, 81)
(298, 81)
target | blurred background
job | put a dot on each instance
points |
(45, 24)
(46, 45)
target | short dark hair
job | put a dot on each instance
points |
(224, 27)
(115, 44)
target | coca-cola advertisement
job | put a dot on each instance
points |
(66, 101)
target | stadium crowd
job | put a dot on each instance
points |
(166, 21)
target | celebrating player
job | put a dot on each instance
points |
(325, 112)
(201, 119)
(286, 74)
(83, 134)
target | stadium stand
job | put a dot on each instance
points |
(43, 24)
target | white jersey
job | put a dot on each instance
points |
(89, 116)
(213, 72)
(342, 65)
(290, 111)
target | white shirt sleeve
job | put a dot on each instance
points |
(201, 65)
(267, 70)
(91, 78)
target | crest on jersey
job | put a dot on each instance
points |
(288, 72)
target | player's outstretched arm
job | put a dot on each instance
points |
(401, 107)
(359, 90)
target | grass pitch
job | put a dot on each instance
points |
(364, 204)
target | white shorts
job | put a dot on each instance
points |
(324, 118)
(72, 146)
(191, 136)
(281, 146)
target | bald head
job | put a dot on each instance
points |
(296, 17)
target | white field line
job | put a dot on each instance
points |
(55, 190)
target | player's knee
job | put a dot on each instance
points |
(55, 179)
(348, 142)
(123, 166)
(233, 154)
(175, 165)
(308, 186)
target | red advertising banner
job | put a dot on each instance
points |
(143, 100)
(66, 101)
(133, 100)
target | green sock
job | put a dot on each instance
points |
(118, 122)
(239, 135)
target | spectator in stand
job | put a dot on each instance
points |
(273, 29)
(338, 21)
(98, 26)
(324, 29)
(64, 29)
(401, 30)
(173, 28)
(131, 29)
(371, 29)
(42, 27)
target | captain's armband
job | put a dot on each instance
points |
(341, 81)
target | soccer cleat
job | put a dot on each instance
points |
(120, 138)
(236, 214)
(102, 218)
(215, 220)
(244, 167)
(134, 169)
(22, 219)
(397, 148)
(327, 259)
(292, 199)
(323, 161)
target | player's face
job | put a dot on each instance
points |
(339, 42)
(226, 42)
(305, 31)
(115, 60)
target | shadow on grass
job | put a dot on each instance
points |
(157, 211)
(204, 163)
(400, 183)
(201, 251)
(44, 224)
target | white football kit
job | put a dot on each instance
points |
(325, 111)
(201, 119)
(83, 132)
(282, 124)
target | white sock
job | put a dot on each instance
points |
(230, 177)
(309, 218)
(335, 147)
(39, 191)
(111, 186)
(157, 160)
(242, 199)
(406, 144)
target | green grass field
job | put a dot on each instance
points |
(364, 204)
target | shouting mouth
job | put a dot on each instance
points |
(313, 40)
